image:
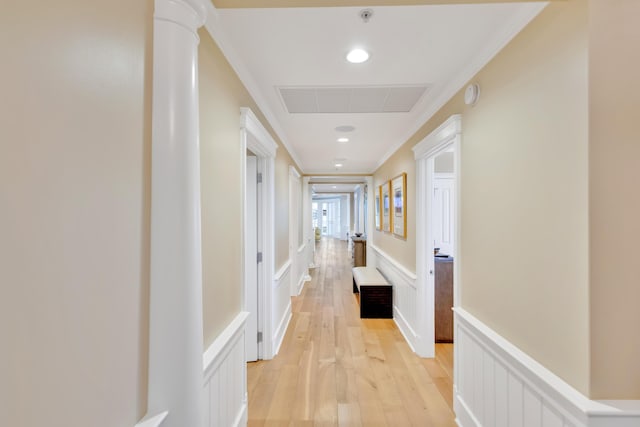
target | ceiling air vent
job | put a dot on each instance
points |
(355, 99)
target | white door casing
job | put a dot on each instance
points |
(251, 261)
(255, 138)
(442, 138)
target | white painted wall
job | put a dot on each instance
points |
(344, 217)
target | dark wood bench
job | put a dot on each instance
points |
(376, 294)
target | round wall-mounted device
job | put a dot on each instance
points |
(366, 14)
(471, 94)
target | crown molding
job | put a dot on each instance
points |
(216, 32)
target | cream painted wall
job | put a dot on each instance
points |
(282, 163)
(403, 251)
(74, 212)
(221, 96)
(220, 162)
(525, 194)
(614, 109)
(524, 208)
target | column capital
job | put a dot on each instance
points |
(190, 14)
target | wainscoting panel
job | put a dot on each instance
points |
(497, 385)
(225, 377)
(405, 296)
(281, 305)
(302, 270)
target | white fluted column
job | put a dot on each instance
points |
(175, 341)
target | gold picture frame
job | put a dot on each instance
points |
(385, 200)
(377, 208)
(399, 202)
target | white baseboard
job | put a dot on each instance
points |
(405, 329)
(154, 421)
(225, 377)
(498, 385)
(300, 285)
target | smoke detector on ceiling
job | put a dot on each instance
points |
(366, 14)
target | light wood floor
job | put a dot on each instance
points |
(334, 369)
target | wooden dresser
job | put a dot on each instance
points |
(444, 299)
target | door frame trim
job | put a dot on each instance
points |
(255, 138)
(445, 136)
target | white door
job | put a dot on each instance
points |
(251, 260)
(443, 214)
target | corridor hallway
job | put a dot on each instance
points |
(334, 369)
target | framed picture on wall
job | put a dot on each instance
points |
(386, 206)
(399, 195)
(377, 209)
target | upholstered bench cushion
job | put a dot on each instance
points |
(368, 276)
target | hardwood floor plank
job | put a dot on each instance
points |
(284, 394)
(326, 407)
(254, 372)
(349, 415)
(371, 411)
(335, 369)
(303, 407)
(444, 356)
(260, 400)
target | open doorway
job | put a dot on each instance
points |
(437, 238)
(443, 220)
(332, 215)
(443, 211)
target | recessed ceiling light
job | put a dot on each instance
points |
(338, 165)
(343, 139)
(334, 186)
(357, 56)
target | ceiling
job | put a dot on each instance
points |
(292, 60)
(329, 193)
(337, 187)
(327, 185)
